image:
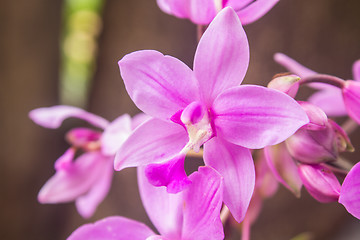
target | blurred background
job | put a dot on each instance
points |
(66, 52)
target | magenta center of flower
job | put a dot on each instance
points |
(196, 120)
(84, 138)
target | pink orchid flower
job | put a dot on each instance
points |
(204, 11)
(86, 179)
(333, 100)
(207, 107)
(191, 214)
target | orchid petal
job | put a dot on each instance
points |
(350, 191)
(236, 165)
(199, 11)
(201, 206)
(292, 65)
(222, 56)
(155, 141)
(115, 134)
(70, 183)
(170, 174)
(65, 160)
(255, 10)
(159, 85)
(356, 70)
(236, 4)
(317, 117)
(254, 116)
(330, 101)
(284, 168)
(112, 228)
(163, 209)
(52, 117)
(87, 204)
(139, 119)
(351, 94)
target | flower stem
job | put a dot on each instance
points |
(349, 126)
(323, 78)
(245, 233)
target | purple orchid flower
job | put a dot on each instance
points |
(207, 107)
(191, 214)
(204, 11)
(86, 179)
(329, 98)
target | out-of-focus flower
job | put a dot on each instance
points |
(207, 107)
(191, 214)
(333, 100)
(86, 179)
(204, 11)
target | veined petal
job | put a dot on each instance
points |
(356, 70)
(330, 101)
(222, 56)
(236, 165)
(201, 206)
(70, 183)
(139, 119)
(198, 11)
(87, 204)
(170, 174)
(116, 134)
(112, 228)
(52, 117)
(155, 141)
(163, 208)
(255, 117)
(255, 10)
(159, 85)
(350, 191)
(283, 167)
(292, 65)
(351, 94)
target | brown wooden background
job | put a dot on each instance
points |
(322, 34)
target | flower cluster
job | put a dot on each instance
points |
(251, 137)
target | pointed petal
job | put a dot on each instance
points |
(171, 174)
(356, 70)
(351, 94)
(256, 10)
(292, 65)
(222, 56)
(350, 191)
(236, 165)
(152, 142)
(163, 208)
(199, 11)
(87, 204)
(254, 116)
(330, 101)
(159, 85)
(115, 134)
(201, 206)
(65, 160)
(284, 168)
(52, 117)
(112, 228)
(70, 183)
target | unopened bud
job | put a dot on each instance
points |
(320, 182)
(288, 84)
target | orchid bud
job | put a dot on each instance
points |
(313, 146)
(288, 84)
(351, 95)
(320, 182)
(317, 117)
